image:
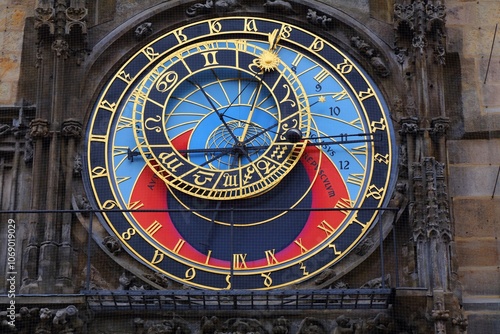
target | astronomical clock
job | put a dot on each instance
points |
(239, 152)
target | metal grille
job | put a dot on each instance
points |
(239, 299)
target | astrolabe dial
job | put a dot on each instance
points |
(240, 153)
(213, 125)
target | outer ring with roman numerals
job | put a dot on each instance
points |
(303, 224)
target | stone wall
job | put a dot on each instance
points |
(13, 15)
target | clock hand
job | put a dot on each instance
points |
(250, 114)
(214, 109)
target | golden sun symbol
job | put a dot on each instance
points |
(268, 61)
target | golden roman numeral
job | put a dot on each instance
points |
(344, 203)
(360, 150)
(322, 75)
(178, 246)
(298, 242)
(239, 261)
(153, 228)
(326, 227)
(120, 179)
(124, 122)
(340, 95)
(270, 257)
(209, 254)
(355, 178)
(135, 205)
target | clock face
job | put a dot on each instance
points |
(239, 153)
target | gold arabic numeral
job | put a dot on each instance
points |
(230, 180)
(128, 233)
(317, 45)
(124, 122)
(171, 161)
(105, 104)
(99, 138)
(178, 246)
(286, 31)
(215, 26)
(210, 58)
(157, 257)
(268, 281)
(299, 243)
(202, 177)
(304, 269)
(109, 204)
(181, 38)
(381, 159)
(150, 53)
(190, 274)
(355, 178)
(228, 281)
(98, 171)
(153, 228)
(326, 227)
(239, 261)
(270, 256)
(135, 205)
(344, 203)
(166, 81)
(335, 251)
(344, 67)
(363, 95)
(378, 125)
(209, 254)
(156, 119)
(125, 76)
(375, 192)
(359, 150)
(250, 25)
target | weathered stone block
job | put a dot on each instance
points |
(480, 280)
(472, 180)
(480, 152)
(478, 251)
(477, 217)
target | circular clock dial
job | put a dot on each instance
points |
(239, 153)
(212, 124)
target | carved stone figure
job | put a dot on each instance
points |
(344, 325)
(143, 30)
(320, 20)
(279, 6)
(281, 326)
(112, 244)
(311, 326)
